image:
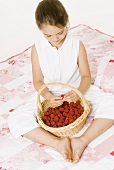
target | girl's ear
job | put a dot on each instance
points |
(68, 26)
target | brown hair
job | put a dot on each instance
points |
(51, 12)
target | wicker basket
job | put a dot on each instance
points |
(70, 129)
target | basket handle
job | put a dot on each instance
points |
(58, 84)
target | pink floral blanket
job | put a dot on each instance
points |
(16, 88)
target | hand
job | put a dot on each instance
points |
(71, 96)
(56, 101)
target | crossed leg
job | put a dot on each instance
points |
(78, 144)
(71, 150)
(62, 145)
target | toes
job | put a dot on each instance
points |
(75, 158)
(67, 157)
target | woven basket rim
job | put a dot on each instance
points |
(70, 126)
(59, 84)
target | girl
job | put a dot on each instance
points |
(59, 57)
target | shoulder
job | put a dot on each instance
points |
(34, 54)
(73, 41)
(77, 43)
(33, 49)
(37, 46)
(73, 38)
(82, 50)
(41, 43)
(81, 46)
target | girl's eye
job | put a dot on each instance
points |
(60, 32)
(48, 35)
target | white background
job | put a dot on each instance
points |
(18, 30)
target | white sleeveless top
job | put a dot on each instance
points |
(59, 65)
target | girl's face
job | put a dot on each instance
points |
(54, 34)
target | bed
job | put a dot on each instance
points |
(16, 88)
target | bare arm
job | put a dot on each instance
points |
(85, 75)
(38, 80)
(84, 69)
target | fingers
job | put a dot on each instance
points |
(71, 96)
(58, 98)
(56, 101)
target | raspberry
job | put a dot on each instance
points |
(62, 95)
(61, 109)
(63, 115)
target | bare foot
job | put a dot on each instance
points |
(78, 145)
(63, 146)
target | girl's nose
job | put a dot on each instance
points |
(55, 38)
